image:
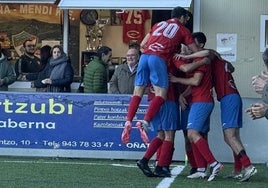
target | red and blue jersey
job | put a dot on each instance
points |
(223, 80)
(165, 37)
(202, 92)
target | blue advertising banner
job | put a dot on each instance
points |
(71, 121)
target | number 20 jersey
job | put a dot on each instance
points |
(166, 37)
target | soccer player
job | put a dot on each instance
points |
(201, 107)
(165, 123)
(159, 46)
(185, 101)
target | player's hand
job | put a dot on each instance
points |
(183, 102)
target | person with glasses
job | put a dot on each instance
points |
(122, 81)
(28, 63)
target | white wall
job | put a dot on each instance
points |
(243, 18)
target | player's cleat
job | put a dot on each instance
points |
(144, 125)
(155, 163)
(125, 137)
(162, 172)
(235, 175)
(197, 175)
(215, 171)
(145, 168)
(192, 171)
(249, 172)
(143, 134)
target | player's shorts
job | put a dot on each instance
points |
(167, 119)
(199, 116)
(231, 111)
(184, 118)
(151, 69)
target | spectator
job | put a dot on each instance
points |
(45, 54)
(122, 81)
(7, 72)
(135, 45)
(28, 63)
(260, 85)
(96, 72)
(58, 72)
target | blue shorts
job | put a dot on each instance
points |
(199, 116)
(184, 119)
(167, 119)
(151, 69)
(231, 111)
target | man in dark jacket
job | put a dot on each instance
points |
(28, 63)
(96, 72)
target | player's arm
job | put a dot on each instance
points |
(145, 40)
(202, 53)
(193, 81)
(228, 66)
(189, 67)
(182, 98)
(187, 91)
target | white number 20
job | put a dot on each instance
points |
(166, 29)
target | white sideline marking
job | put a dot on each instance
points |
(128, 166)
(68, 162)
(166, 182)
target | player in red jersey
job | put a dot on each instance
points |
(199, 116)
(165, 123)
(159, 46)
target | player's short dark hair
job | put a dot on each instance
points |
(200, 37)
(177, 12)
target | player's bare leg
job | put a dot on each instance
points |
(232, 138)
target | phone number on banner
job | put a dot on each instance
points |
(57, 144)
